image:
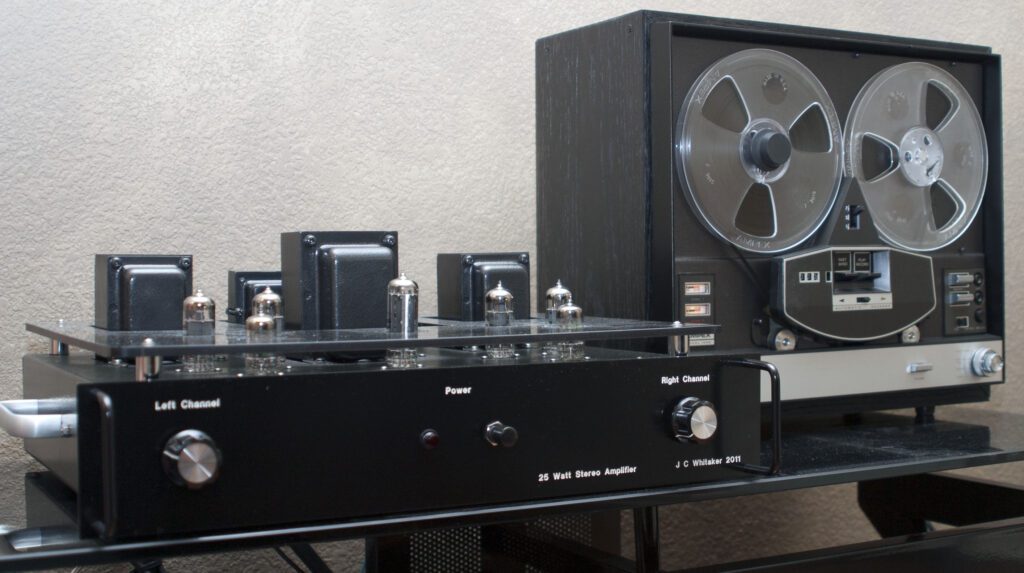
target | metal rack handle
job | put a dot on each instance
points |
(776, 410)
(35, 538)
(50, 418)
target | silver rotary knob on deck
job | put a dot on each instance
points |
(191, 459)
(986, 361)
(694, 419)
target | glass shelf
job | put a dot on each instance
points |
(231, 338)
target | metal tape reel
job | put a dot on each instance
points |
(916, 145)
(759, 150)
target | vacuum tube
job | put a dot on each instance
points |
(570, 317)
(498, 312)
(556, 296)
(262, 327)
(403, 318)
(199, 318)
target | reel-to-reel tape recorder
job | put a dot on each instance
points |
(834, 199)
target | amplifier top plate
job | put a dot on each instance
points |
(231, 338)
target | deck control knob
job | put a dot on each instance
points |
(498, 434)
(694, 419)
(191, 459)
(986, 361)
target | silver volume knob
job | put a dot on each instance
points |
(191, 459)
(986, 361)
(694, 419)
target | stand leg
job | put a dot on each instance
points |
(310, 558)
(387, 553)
(924, 414)
(149, 566)
(645, 527)
(904, 505)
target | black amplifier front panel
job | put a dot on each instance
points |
(308, 448)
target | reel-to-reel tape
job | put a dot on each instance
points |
(760, 150)
(903, 125)
(831, 198)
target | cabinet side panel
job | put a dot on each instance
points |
(593, 166)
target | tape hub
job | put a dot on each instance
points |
(921, 156)
(766, 149)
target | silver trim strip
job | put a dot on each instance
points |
(850, 371)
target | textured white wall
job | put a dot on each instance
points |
(209, 128)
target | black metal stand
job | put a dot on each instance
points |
(924, 414)
(148, 566)
(645, 530)
(588, 542)
(310, 558)
(386, 553)
(518, 547)
(819, 452)
(905, 505)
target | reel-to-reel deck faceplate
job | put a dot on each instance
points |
(809, 190)
(759, 156)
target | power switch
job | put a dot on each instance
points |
(499, 434)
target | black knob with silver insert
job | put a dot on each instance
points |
(694, 419)
(191, 459)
